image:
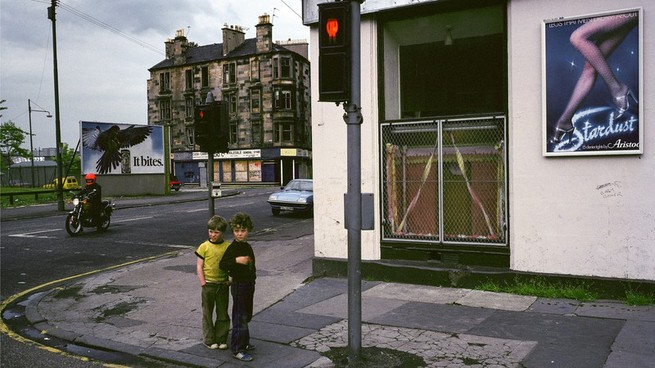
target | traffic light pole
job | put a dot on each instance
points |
(353, 203)
(210, 178)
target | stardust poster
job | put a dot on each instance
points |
(592, 77)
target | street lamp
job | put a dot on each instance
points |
(29, 109)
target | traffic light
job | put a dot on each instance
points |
(203, 126)
(223, 129)
(334, 51)
(212, 127)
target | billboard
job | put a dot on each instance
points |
(593, 84)
(109, 148)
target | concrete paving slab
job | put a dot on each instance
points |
(303, 320)
(622, 359)
(562, 341)
(554, 306)
(617, 310)
(279, 333)
(636, 337)
(338, 307)
(434, 317)
(416, 293)
(486, 299)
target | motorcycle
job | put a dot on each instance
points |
(82, 214)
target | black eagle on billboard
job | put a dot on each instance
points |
(111, 141)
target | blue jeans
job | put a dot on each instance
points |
(242, 300)
(215, 296)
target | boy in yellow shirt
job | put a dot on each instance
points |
(215, 285)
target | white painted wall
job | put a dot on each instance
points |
(576, 215)
(329, 156)
(586, 216)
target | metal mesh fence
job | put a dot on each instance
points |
(444, 181)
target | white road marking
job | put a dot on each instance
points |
(155, 244)
(32, 234)
(134, 219)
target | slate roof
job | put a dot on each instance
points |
(214, 52)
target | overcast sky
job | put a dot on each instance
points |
(104, 50)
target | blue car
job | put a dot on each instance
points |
(296, 196)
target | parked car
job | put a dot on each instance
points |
(69, 183)
(296, 196)
(175, 184)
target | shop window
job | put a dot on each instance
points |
(444, 181)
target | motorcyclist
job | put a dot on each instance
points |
(94, 191)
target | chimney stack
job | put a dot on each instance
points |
(233, 37)
(177, 47)
(264, 34)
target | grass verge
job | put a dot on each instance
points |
(577, 290)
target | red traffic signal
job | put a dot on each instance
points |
(334, 51)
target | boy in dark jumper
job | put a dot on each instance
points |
(239, 262)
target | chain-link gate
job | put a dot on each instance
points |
(444, 181)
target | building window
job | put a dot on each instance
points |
(164, 82)
(205, 76)
(190, 137)
(283, 99)
(229, 73)
(283, 133)
(255, 101)
(254, 69)
(256, 133)
(285, 67)
(189, 105)
(188, 79)
(276, 72)
(164, 109)
(282, 67)
(233, 132)
(231, 99)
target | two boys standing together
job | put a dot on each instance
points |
(221, 266)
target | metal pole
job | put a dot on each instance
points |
(210, 178)
(60, 182)
(354, 194)
(29, 113)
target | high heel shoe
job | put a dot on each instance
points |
(623, 103)
(560, 134)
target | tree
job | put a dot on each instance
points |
(11, 139)
(71, 164)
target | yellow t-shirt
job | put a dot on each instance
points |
(211, 254)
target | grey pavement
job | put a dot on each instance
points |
(152, 309)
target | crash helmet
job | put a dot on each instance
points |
(90, 178)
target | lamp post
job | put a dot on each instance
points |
(29, 110)
(52, 13)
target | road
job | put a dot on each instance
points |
(39, 251)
